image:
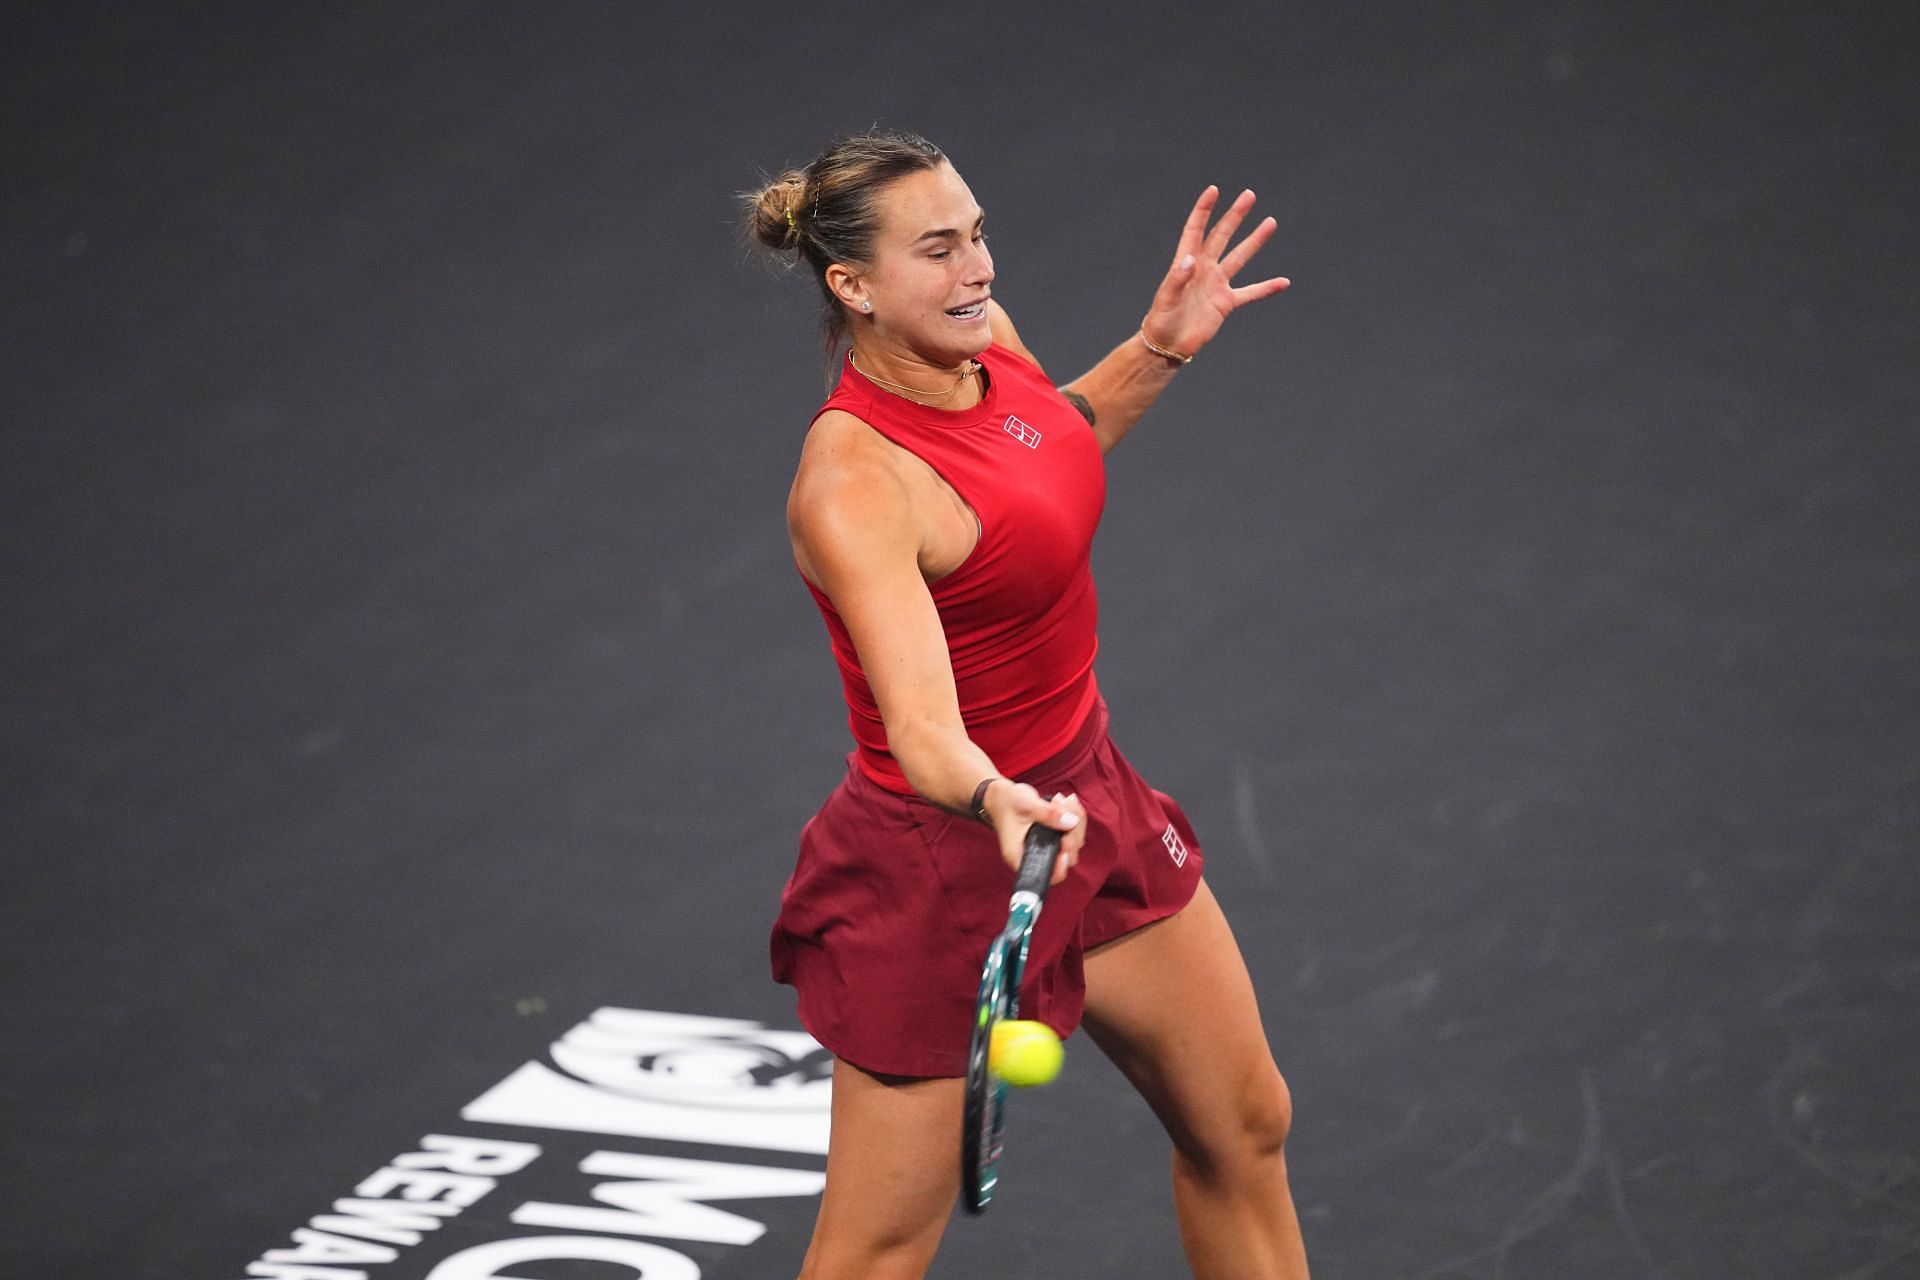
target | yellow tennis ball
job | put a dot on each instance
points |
(1024, 1053)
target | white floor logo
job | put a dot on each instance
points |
(623, 1073)
(688, 1061)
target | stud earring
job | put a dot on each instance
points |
(866, 306)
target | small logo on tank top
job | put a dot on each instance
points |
(1176, 847)
(1020, 431)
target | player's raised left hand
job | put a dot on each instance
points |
(1198, 293)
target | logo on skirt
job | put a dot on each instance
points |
(1176, 848)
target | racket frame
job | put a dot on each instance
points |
(983, 1121)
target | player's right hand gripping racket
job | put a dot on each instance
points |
(985, 1119)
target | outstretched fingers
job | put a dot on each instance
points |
(1254, 292)
(1188, 296)
(1244, 251)
(1194, 232)
(1222, 233)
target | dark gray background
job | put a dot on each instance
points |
(398, 625)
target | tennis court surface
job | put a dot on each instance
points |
(410, 706)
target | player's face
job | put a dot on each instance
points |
(931, 272)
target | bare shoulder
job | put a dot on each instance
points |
(843, 458)
(849, 495)
(1000, 324)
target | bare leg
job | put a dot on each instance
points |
(893, 1176)
(1173, 1007)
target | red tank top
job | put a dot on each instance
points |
(1019, 612)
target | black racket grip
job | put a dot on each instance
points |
(1036, 861)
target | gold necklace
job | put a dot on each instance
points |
(966, 371)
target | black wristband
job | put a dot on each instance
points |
(978, 805)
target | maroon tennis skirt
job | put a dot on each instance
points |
(885, 922)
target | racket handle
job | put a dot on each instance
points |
(1036, 861)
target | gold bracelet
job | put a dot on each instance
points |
(1159, 350)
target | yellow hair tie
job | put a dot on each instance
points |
(790, 222)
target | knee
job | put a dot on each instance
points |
(1250, 1131)
(1266, 1117)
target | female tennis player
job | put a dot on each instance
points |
(942, 515)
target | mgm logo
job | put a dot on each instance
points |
(632, 1079)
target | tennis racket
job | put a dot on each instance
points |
(986, 1107)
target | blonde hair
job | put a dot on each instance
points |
(828, 212)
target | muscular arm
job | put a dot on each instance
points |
(1196, 296)
(858, 538)
(1113, 394)
(854, 533)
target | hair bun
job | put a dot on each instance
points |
(776, 211)
(830, 210)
